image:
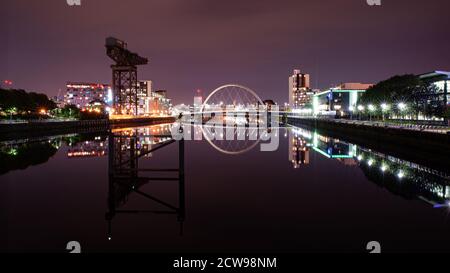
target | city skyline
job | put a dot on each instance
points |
(202, 45)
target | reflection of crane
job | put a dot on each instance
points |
(127, 174)
(124, 75)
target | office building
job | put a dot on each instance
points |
(341, 100)
(436, 100)
(159, 103)
(81, 94)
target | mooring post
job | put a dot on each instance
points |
(181, 194)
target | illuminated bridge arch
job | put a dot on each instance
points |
(243, 99)
(232, 94)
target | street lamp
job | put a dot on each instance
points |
(384, 108)
(351, 109)
(371, 108)
(360, 109)
(402, 107)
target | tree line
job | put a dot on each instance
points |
(420, 96)
(22, 101)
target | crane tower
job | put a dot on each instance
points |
(124, 85)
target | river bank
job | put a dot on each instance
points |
(38, 129)
(427, 148)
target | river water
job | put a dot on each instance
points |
(313, 193)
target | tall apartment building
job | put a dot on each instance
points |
(144, 93)
(299, 89)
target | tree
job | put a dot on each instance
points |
(393, 90)
(407, 89)
(23, 101)
(69, 111)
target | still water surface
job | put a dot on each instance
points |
(314, 193)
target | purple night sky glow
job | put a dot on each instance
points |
(202, 44)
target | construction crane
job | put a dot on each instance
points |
(125, 98)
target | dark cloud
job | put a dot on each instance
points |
(205, 43)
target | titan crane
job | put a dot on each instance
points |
(125, 97)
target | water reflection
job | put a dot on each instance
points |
(88, 148)
(23, 153)
(127, 146)
(128, 176)
(137, 195)
(19, 156)
(232, 135)
(400, 177)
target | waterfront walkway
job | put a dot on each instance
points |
(386, 124)
(407, 126)
(45, 128)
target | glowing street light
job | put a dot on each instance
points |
(360, 108)
(402, 106)
(371, 108)
(384, 107)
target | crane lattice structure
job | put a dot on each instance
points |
(125, 97)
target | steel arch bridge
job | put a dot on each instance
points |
(232, 95)
(240, 104)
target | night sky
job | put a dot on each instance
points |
(202, 44)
